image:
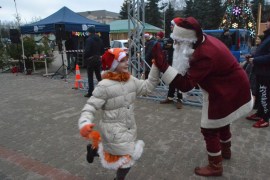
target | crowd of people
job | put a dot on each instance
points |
(190, 59)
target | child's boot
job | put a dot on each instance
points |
(91, 153)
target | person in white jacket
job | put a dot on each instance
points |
(117, 146)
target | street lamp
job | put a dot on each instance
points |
(164, 5)
(1, 29)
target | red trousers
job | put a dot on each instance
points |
(213, 137)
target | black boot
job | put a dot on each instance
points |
(91, 153)
(87, 95)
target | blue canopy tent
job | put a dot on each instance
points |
(63, 23)
(68, 21)
(71, 20)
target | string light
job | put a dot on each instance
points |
(236, 11)
(238, 14)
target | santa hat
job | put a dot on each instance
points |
(176, 21)
(160, 34)
(111, 58)
(148, 36)
(188, 30)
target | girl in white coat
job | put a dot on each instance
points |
(116, 144)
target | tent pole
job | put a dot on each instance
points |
(23, 56)
(18, 19)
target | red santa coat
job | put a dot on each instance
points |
(224, 83)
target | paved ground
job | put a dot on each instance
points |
(39, 138)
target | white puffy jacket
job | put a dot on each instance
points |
(116, 99)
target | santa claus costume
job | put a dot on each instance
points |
(203, 60)
(116, 144)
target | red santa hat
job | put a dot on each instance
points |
(160, 34)
(189, 30)
(111, 58)
(176, 20)
(146, 35)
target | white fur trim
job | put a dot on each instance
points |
(206, 123)
(203, 39)
(169, 75)
(117, 61)
(138, 150)
(114, 65)
(182, 34)
(226, 140)
(123, 160)
(121, 56)
(214, 154)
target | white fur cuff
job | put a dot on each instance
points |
(182, 34)
(138, 150)
(169, 75)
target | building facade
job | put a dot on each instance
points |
(101, 16)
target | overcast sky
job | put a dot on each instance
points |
(32, 9)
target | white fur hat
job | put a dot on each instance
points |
(188, 30)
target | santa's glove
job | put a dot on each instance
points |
(86, 130)
(161, 64)
(159, 58)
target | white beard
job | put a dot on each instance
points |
(181, 55)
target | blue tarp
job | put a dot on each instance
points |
(66, 17)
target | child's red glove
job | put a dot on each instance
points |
(86, 130)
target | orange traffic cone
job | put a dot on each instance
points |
(78, 82)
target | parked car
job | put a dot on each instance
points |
(120, 44)
(241, 41)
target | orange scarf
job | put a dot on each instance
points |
(121, 77)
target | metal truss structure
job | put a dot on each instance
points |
(136, 26)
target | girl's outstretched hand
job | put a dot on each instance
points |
(86, 130)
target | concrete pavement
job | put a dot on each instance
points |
(39, 137)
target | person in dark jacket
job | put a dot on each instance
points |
(168, 46)
(261, 68)
(69, 44)
(226, 38)
(94, 48)
(150, 42)
(160, 38)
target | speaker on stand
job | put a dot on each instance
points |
(15, 37)
(60, 35)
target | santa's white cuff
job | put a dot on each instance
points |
(169, 75)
